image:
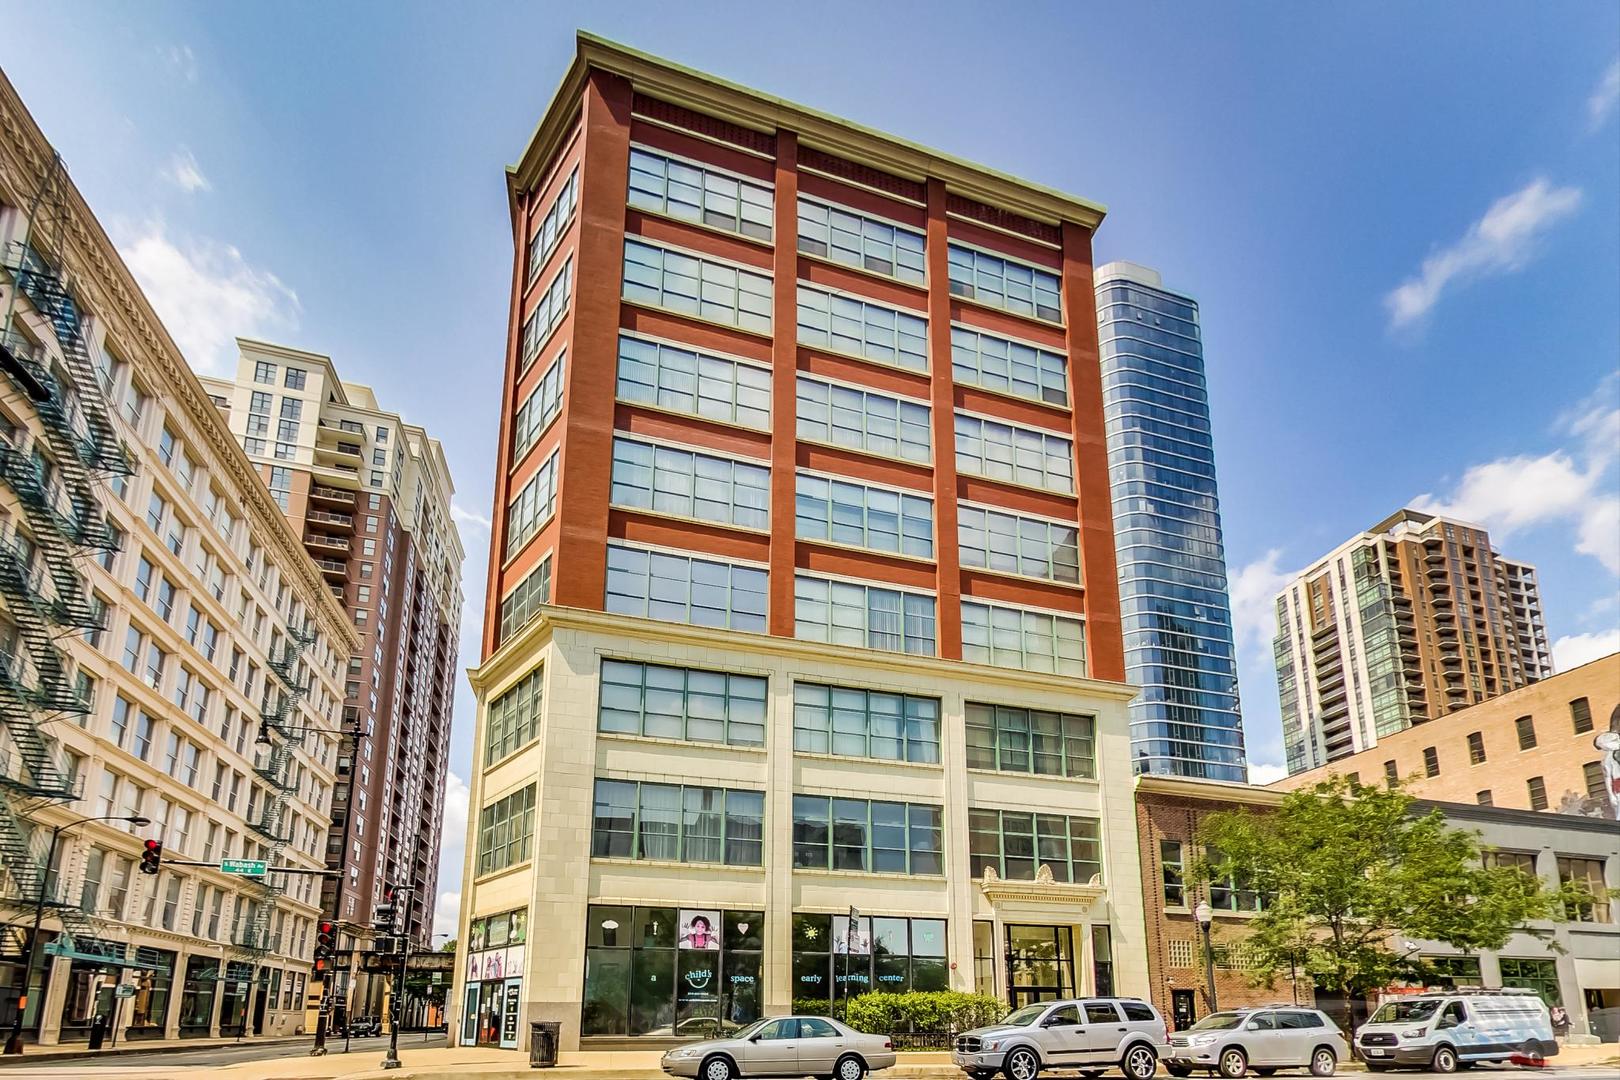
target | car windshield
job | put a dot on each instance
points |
(743, 1033)
(1026, 1015)
(1218, 1022)
(1405, 1012)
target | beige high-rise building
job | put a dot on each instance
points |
(370, 496)
(171, 663)
(1414, 619)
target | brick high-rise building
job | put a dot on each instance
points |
(1414, 619)
(802, 582)
(370, 496)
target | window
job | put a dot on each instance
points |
(514, 718)
(539, 409)
(700, 193)
(506, 831)
(1017, 287)
(1014, 454)
(1031, 741)
(852, 722)
(872, 331)
(1014, 637)
(1431, 761)
(689, 285)
(1392, 773)
(875, 837)
(291, 408)
(1484, 797)
(846, 512)
(1525, 727)
(1537, 788)
(1580, 712)
(1597, 785)
(561, 211)
(1476, 748)
(1587, 875)
(264, 373)
(675, 823)
(690, 484)
(296, 378)
(548, 313)
(863, 420)
(684, 588)
(1012, 367)
(855, 239)
(867, 616)
(1173, 871)
(890, 954)
(533, 506)
(1538, 975)
(1235, 891)
(1015, 544)
(522, 604)
(693, 383)
(1014, 843)
(681, 703)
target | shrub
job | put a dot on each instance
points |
(922, 1010)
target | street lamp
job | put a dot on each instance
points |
(14, 1043)
(849, 946)
(1204, 915)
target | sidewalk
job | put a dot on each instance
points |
(134, 1049)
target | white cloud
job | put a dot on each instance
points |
(182, 60)
(468, 518)
(207, 294)
(182, 169)
(452, 849)
(1574, 650)
(1572, 486)
(1500, 242)
(1264, 772)
(1605, 96)
(1254, 590)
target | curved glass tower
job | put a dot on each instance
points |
(1176, 613)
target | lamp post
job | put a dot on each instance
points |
(1204, 915)
(14, 1043)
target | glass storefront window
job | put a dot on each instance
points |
(197, 995)
(890, 954)
(984, 957)
(233, 996)
(150, 1005)
(689, 972)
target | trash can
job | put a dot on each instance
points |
(543, 1038)
(98, 1032)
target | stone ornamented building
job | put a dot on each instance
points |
(802, 672)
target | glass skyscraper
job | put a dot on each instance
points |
(1176, 612)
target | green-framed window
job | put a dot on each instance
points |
(513, 719)
(853, 722)
(1015, 843)
(1533, 974)
(1031, 741)
(858, 834)
(1005, 636)
(681, 703)
(506, 831)
(678, 823)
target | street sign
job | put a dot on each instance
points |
(245, 867)
(126, 991)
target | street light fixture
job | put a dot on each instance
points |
(14, 1043)
(1204, 915)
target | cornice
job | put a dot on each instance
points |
(101, 279)
(1222, 791)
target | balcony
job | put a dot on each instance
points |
(326, 543)
(333, 567)
(330, 519)
(331, 495)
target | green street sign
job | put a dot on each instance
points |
(245, 867)
(125, 990)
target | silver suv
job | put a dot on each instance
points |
(1265, 1039)
(1088, 1034)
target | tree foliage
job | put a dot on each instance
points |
(1349, 871)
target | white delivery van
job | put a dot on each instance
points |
(1443, 1030)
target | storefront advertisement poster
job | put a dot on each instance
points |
(700, 929)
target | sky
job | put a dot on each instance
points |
(1401, 221)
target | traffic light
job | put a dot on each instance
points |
(383, 915)
(325, 943)
(151, 857)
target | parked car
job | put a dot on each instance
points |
(1088, 1034)
(784, 1046)
(1263, 1039)
(364, 1026)
(1445, 1031)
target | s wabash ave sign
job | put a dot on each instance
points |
(244, 867)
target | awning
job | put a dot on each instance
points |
(1592, 974)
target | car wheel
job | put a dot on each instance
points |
(1022, 1064)
(718, 1068)
(1234, 1063)
(1139, 1062)
(1323, 1061)
(1445, 1060)
(849, 1067)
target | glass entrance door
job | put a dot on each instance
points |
(1040, 963)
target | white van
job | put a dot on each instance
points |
(1441, 1031)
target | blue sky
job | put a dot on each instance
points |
(1402, 222)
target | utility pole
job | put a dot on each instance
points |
(385, 918)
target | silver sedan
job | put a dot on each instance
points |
(784, 1046)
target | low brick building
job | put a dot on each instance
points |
(1531, 749)
(1168, 813)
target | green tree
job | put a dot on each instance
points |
(1347, 870)
(448, 946)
